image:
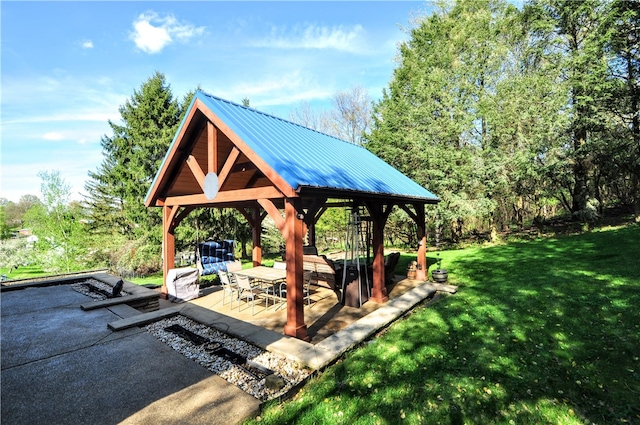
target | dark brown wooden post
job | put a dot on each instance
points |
(168, 246)
(256, 253)
(379, 290)
(294, 233)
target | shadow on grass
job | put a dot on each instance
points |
(540, 332)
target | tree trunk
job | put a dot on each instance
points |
(580, 190)
(632, 83)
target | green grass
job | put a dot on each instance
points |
(540, 332)
(152, 279)
(23, 272)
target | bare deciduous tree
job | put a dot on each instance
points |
(351, 116)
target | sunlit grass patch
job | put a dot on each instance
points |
(544, 331)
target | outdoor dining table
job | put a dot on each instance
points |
(264, 274)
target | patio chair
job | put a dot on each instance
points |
(280, 265)
(234, 266)
(306, 287)
(246, 291)
(229, 286)
(272, 287)
(271, 290)
(390, 263)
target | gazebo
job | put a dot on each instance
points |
(225, 155)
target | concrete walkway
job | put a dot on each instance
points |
(69, 360)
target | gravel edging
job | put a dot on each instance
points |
(290, 372)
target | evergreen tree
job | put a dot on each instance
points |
(132, 157)
(570, 32)
(622, 152)
(433, 121)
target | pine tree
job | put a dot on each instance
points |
(132, 157)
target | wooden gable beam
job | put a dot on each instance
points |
(158, 183)
(240, 195)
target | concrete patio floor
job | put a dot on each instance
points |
(324, 316)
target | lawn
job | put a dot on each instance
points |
(23, 272)
(543, 331)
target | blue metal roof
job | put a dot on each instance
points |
(306, 158)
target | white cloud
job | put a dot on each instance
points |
(278, 90)
(53, 136)
(31, 100)
(316, 37)
(152, 33)
(87, 44)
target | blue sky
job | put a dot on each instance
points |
(67, 67)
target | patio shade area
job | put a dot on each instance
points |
(324, 314)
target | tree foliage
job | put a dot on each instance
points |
(506, 114)
(58, 224)
(132, 157)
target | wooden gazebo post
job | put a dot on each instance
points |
(170, 220)
(294, 234)
(256, 252)
(168, 245)
(379, 216)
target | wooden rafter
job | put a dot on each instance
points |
(228, 166)
(212, 148)
(274, 213)
(196, 170)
